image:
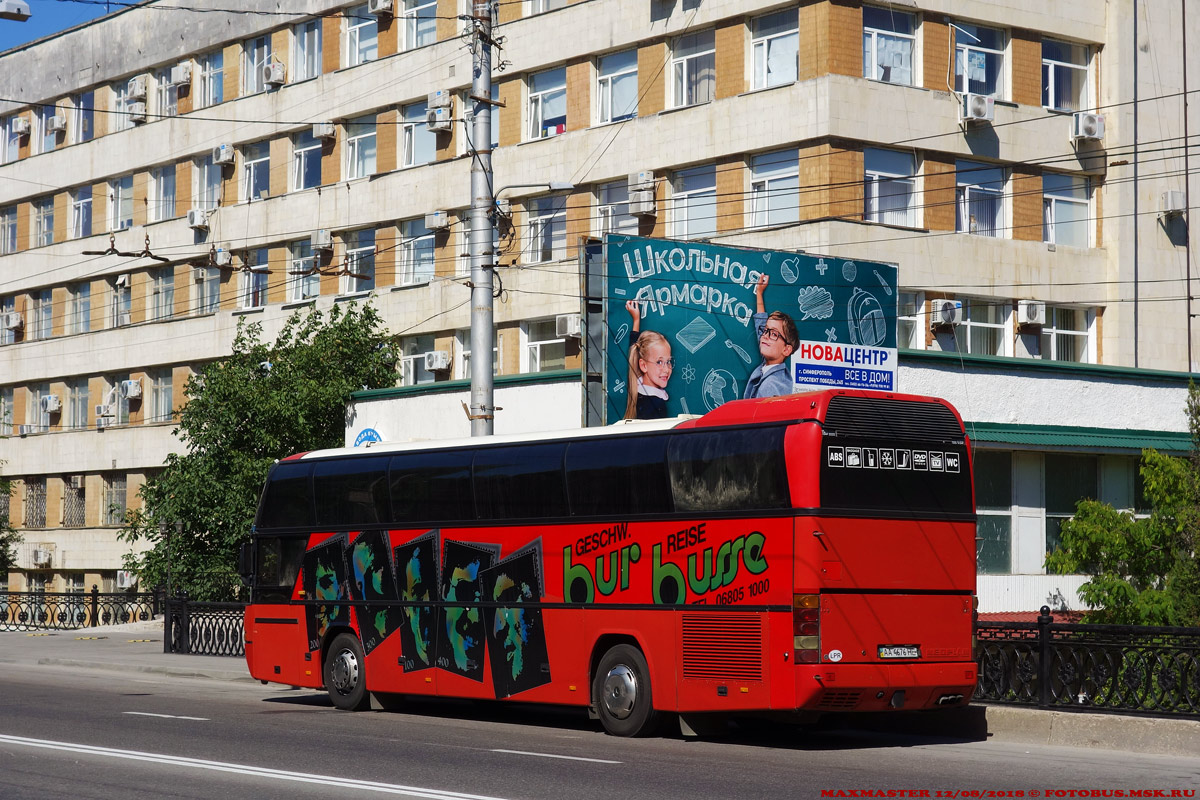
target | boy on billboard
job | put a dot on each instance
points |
(777, 339)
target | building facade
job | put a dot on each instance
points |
(166, 173)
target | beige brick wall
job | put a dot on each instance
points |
(99, 208)
(579, 216)
(1027, 203)
(389, 35)
(137, 296)
(509, 93)
(24, 212)
(141, 186)
(731, 192)
(509, 12)
(102, 101)
(387, 255)
(185, 102)
(233, 71)
(1098, 196)
(183, 187)
(61, 215)
(277, 262)
(331, 158)
(229, 288)
(939, 182)
(281, 43)
(179, 379)
(54, 493)
(182, 301)
(579, 95)
(25, 144)
(58, 296)
(447, 24)
(385, 140)
(652, 78)
(845, 37)
(731, 58)
(1026, 67)
(278, 181)
(229, 180)
(331, 43)
(101, 297)
(935, 47)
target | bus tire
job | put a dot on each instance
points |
(345, 673)
(622, 695)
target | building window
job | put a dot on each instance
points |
(306, 50)
(889, 187)
(74, 502)
(994, 509)
(420, 23)
(211, 80)
(6, 421)
(256, 54)
(41, 323)
(464, 261)
(10, 141)
(8, 230)
(1064, 75)
(35, 502)
(775, 188)
(161, 395)
(83, 117)
(984, 329)
(81, 212)
(617, 87)
(1075, 478)
(208, 187)
(113, 513)
(43, 221)
(547, 229)
(304, 282)
(910, 321)
(252, 291)
(77, 404)
(548, 103)
(121, 301)
(1065, 210)
(362, 36)
(694, 203)
(162, 193)
(1066, 335)
(612, 210)
(980, 199)
(306, 160)
(166, 94)
(360, 262)
(120, 400)
(162, 294)
(121, 103)
(775, 48)
(412, 360)
(463, 362)
(208, 289)
(120, 203)
(544, 349)
(45, 139)
(889, 40)
(417, 253)
(978, 60)
(7, 306)
(256, 171)
(418, 143)
(36, 414)
(693, 69)
(79, 308)
(542, 6)
(360, 147)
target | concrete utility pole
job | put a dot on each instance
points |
(483, 202)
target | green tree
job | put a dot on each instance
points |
(1143, 571)
(8, 536)
(262, 403)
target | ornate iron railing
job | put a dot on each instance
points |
(1066, 667)
(210, 629)
(34, 611)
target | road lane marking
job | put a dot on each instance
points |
(244, 769)
(555, 755)
(163, 716)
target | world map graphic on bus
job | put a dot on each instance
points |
(517, 638)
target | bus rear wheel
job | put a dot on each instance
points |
(621, 692)
(345, 673)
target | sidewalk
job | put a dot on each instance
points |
(138, 647)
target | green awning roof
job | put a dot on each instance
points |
(1070, 438)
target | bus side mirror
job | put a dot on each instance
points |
(246, 563)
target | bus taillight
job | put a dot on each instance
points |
(806, 628)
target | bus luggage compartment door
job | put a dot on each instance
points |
(895, 628)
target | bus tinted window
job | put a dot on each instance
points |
(351, 491)
(621, 477)
(728, 470)
(277, 563)
(432, 487)
(287, 501)
(520, 482)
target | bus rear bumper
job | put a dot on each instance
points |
(884, 687)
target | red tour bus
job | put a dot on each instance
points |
(808, 553)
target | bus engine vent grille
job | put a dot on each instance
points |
(891, 419)
(839, 700)
(722, 647)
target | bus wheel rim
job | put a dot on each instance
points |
(345, 672)
(620, 691)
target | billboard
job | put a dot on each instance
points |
(703, 298)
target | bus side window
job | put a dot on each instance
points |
(520, 482)
(618, 476)
(351, 491)
(726, 470)
(277, 566)
(287, 500)
(432, 487)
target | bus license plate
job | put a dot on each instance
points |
(899, 651)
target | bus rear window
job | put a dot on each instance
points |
(432, 487)
(351, 491)
(728, 470)
(277, 563)
(621, 477)
(287, 501)
(520, 482)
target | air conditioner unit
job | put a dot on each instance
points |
(1172, 203)
(436, 360)
(945, 314)
(439, 120)
(126, 579)
(56, 124)
(11, 320)
(1031, 313)
(197, 219)
(222, 154)
(437, 221)
(642, 179)
(322, 239)
(567, 325)
(273, 74)
(442, 98)
(102, 410)
(379, 7)
(223, 258)
(123, 319)
(135, 89)
(324, 130)
(977, 108)
(1087, 127)
(122, 281)
(25, 430)
(181, 73)
(42, 557)
(199, 274)
(76, 482)
(137, 112)
(51, 404)
(641, 203)
(19, 127)
(131, 389)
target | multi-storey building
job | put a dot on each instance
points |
(999, 151)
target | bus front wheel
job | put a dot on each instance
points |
(345, 673)
(621, 692)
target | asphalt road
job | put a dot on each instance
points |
(75, 733)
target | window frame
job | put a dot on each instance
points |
(79, 308)
(8, 231)
(162, 396)
(256, 54)
(120, 195)
(1054, 334)
(357, 254)
(532, 357)
(881, 175)
(304, 282)
(358, 165)
(42, 228)
(966, 189)
(166, 94)
(546, 223)
(1052, 198)
(162, 205)
(359, 50)
(760, 49)
(970, 329)
(609, 216)
(210, 77)
(961, 85)
(252, 279)
(307, 47)
(872, 67)
(420, 23)
(1051, 65)
(605, 84)
(76, 404)
(255, 183)
(415, 137)
(161, 299)
(83, 117)
(682, 202)
(537, 100)
(302, 152)
(412, 359)
(80, 219)
(765, 174)
(416, 270)
(207, 291)
(687, 72)
(40, 325)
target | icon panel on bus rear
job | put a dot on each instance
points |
(853, 457)
(952, 462)
(935, 461)
(870, 458)
(887, 458)
(835, 457)
(903, 459)
(920, 459)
